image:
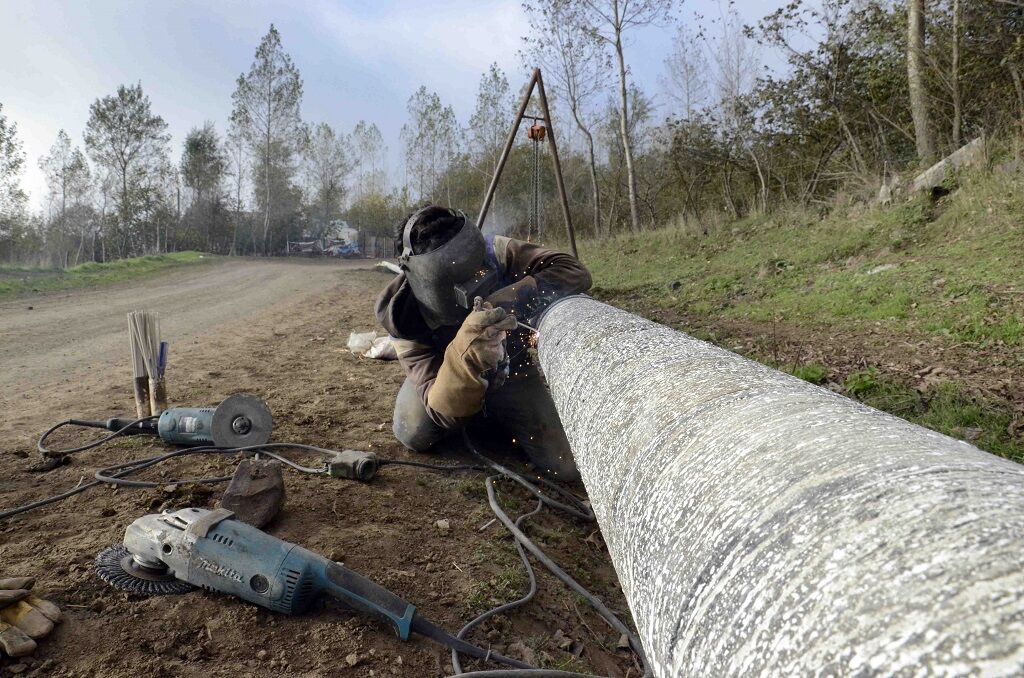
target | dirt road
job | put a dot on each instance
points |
(51, 341)
(277, 329)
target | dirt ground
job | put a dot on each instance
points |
(276, 329)
(993, 371)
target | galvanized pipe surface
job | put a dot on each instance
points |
(760, 525)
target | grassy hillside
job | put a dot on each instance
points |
(16, 281)
(917, 308)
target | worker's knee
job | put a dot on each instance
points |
(412, 425)
(416, 436)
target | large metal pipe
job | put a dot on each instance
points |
(760, 525)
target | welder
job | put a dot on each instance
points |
(465, 360)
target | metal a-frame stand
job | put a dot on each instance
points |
(538, 82)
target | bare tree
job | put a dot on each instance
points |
(609, 21)
(735, 72)
(490, 120)
(238, 160)
(370, 159)
(429, 138)
(686, 73)
(915, 80)
(578, 67)
(66, 170)
(266, 113)
(68, 178)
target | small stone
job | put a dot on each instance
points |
(443, 526)
(352, 659)
(261, 655)
(623, 643)
(399, 660)
(17, 668)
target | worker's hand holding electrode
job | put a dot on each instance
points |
(24, 618)
(479, 346)
(517, 297)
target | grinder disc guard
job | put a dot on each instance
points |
(116, 566)
(242, 420)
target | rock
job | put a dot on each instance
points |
(17, 668)
(443, 526)
(261, 655)
(562, 641)
(256, 492)
(623, 643)
(352, 659)
(524, 653)
(883, 267)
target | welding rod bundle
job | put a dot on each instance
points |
(149, 360)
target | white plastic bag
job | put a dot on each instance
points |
(382, 349)
(361, 342)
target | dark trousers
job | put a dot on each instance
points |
(522, 407)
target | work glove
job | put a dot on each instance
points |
(516, 298)
(24, 618)
(478, 347)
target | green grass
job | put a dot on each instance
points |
(947, 408)
(952, 269)
(16, 281)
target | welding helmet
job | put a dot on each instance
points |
(439, 278)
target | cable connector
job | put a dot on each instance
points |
(353, 464)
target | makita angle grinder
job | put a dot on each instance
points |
(241, 420)
(175, 552)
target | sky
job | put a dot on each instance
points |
(359, 60)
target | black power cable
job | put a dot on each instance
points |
(115, 475)
(522, 541)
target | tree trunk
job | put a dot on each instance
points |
(955, 76)
(266, 194)
(627, 150)
(915, 80)
(1018, 86)
(592, 157)
(763, 182)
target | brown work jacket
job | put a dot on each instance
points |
(421, 349)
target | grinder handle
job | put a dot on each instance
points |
(363, 594)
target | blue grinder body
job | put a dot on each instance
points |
(211, 550)
(240, 420)
(187, 425)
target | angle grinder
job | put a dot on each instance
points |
(239, 421)
(176, 552)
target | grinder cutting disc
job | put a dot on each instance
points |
(116, 566)
(241, 420)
